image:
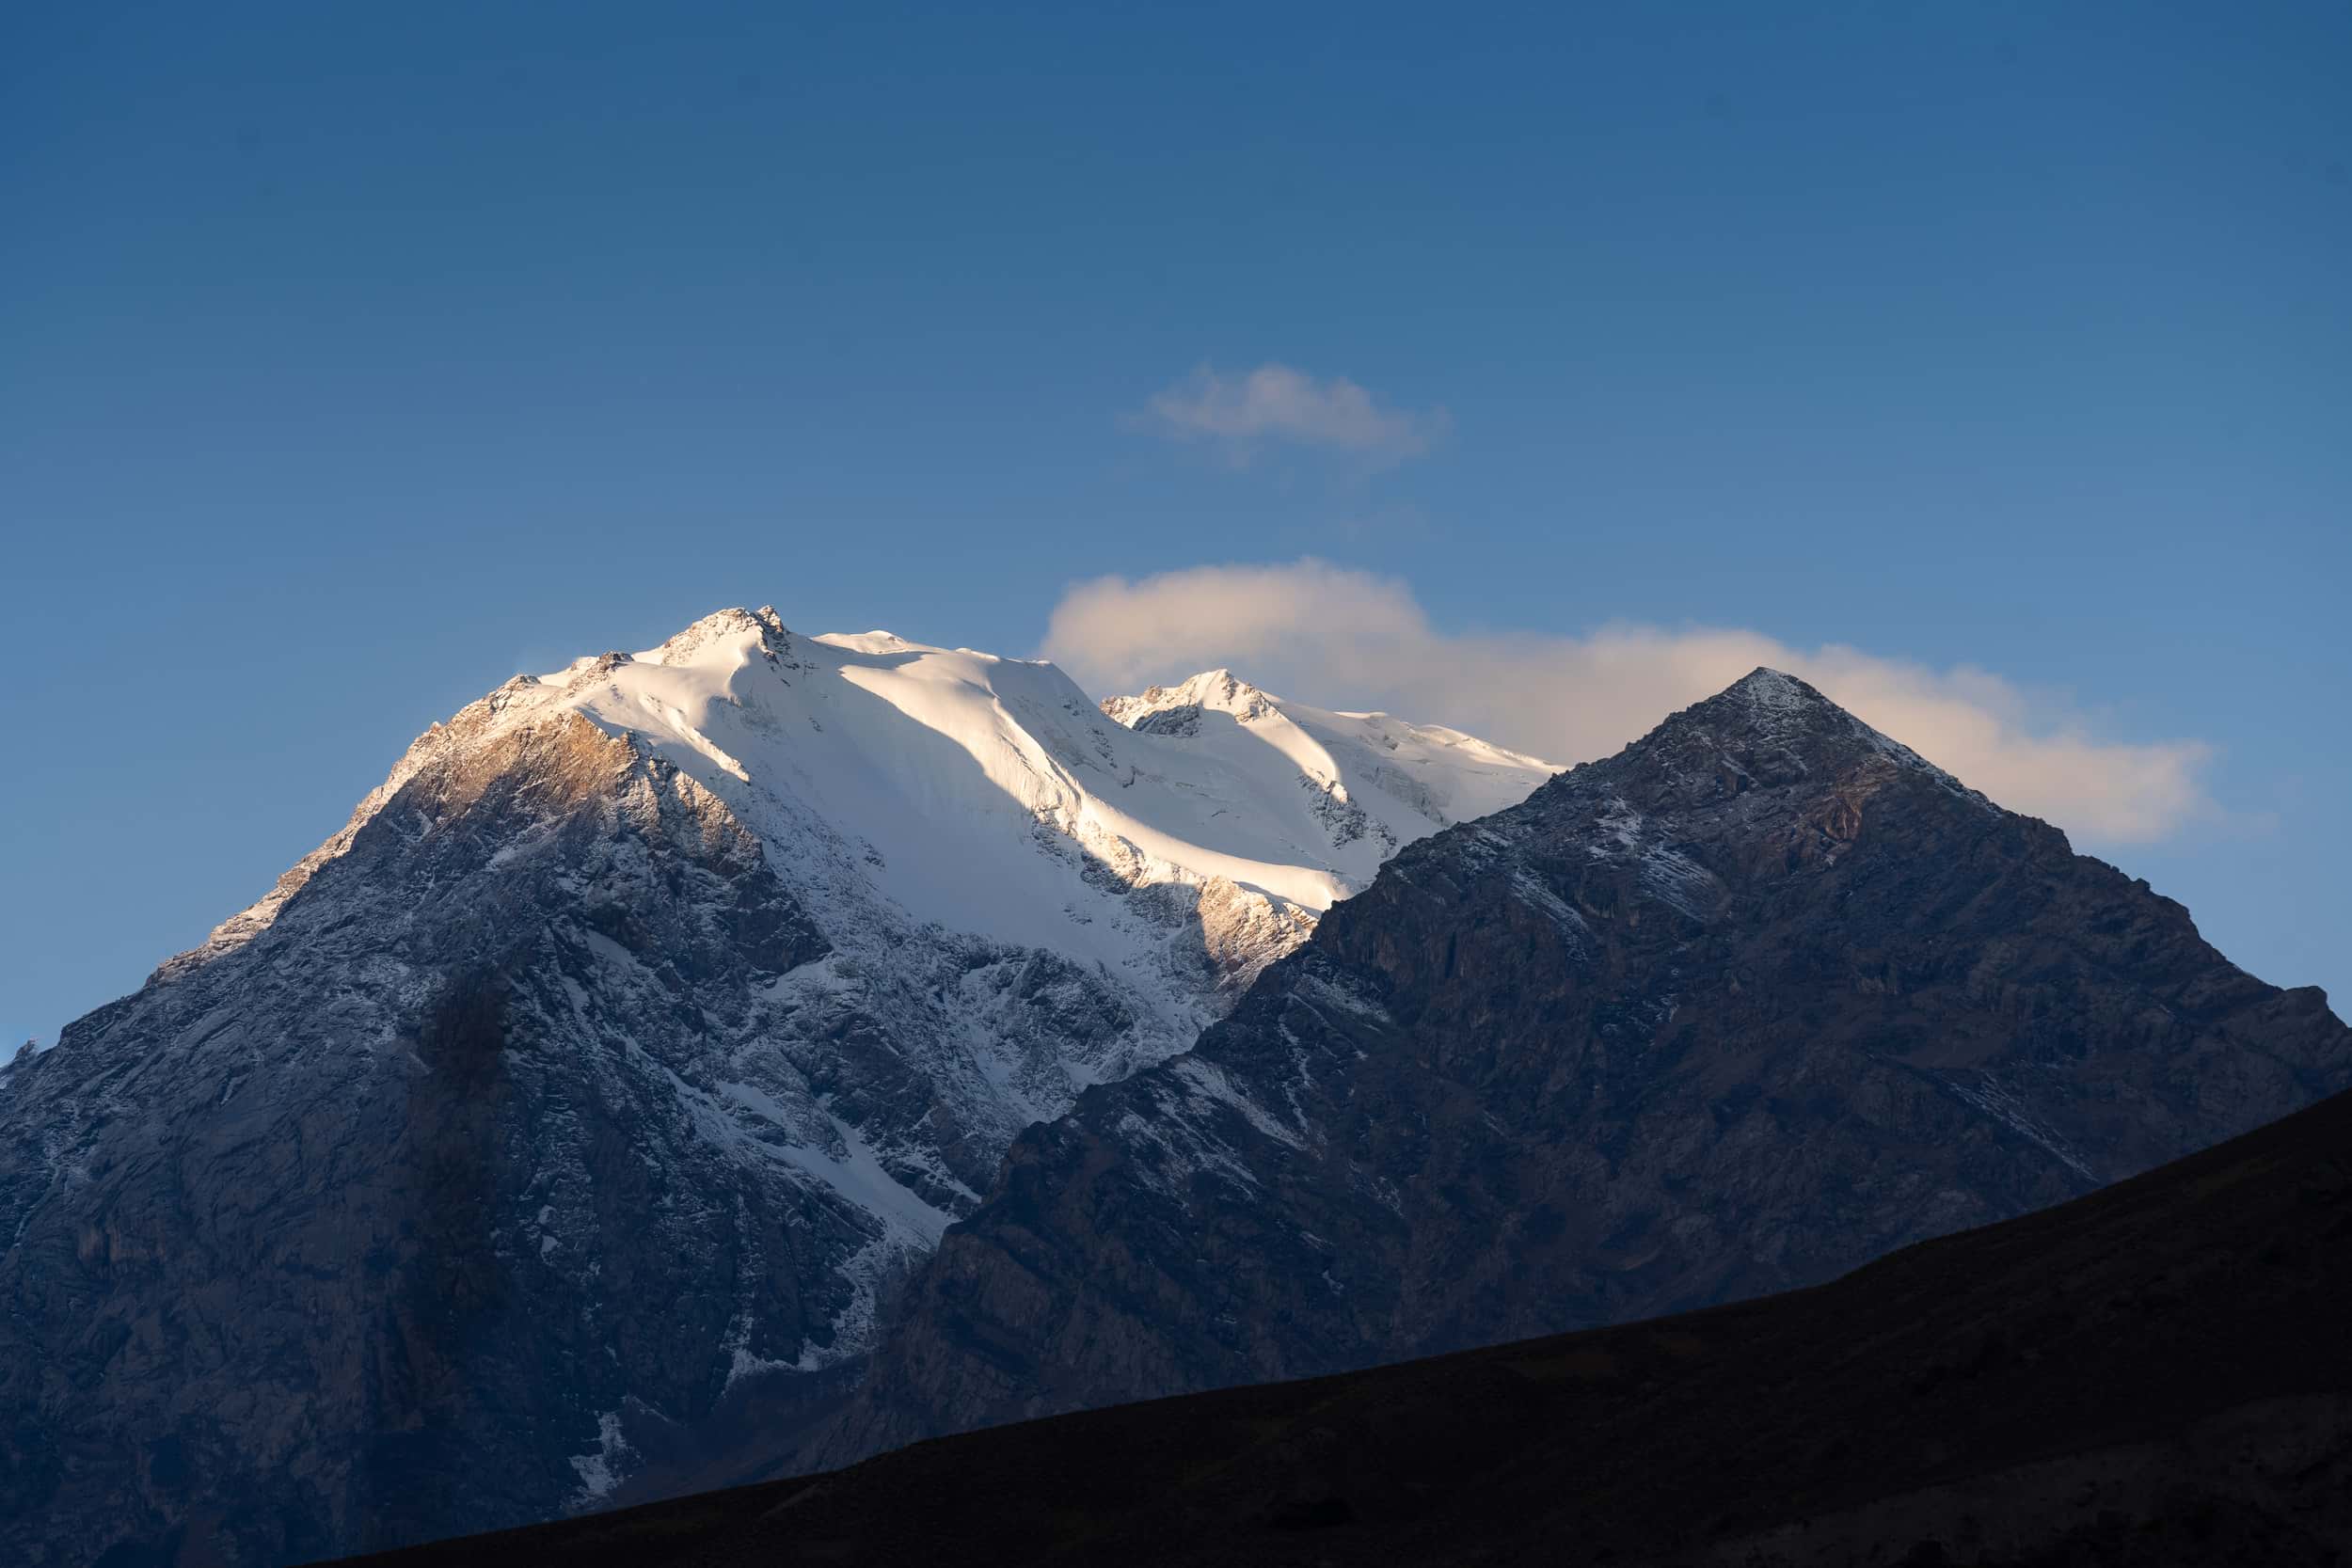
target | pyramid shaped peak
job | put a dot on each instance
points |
(1765, 686)
(1771, 722)
(1770, 701)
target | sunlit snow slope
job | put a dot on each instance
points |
(992, 797)
(1364, 784)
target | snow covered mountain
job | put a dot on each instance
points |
(910, 793)
(615, 1061)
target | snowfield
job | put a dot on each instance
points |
(942, 766)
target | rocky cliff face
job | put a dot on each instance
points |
(1759, 998)
(607, 1071)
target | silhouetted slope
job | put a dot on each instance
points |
(2155, 1373)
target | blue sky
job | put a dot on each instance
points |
(353, 362)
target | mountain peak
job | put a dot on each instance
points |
(1769, 688)
(1218, 690)
(1767, 706)
(1771, 700)
(774, 637)
(1221, 688)
(811, 926)
(1768, 726)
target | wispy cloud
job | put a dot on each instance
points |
(1344, 638)
(1241, 413)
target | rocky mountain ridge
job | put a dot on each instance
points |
(1761, 997)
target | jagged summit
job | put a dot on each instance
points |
(764, 623)
(1773, 688)
(1768, 705)
(1374, 782)
(1216, 691)
(1766, 729)
(1221, 688)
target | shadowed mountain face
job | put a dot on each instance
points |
(2155, 1374)
(336, 1237)
(1759, 999)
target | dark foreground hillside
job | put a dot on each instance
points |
(2159, 1373)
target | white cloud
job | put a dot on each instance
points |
(1347, 639)
(1275, 403)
